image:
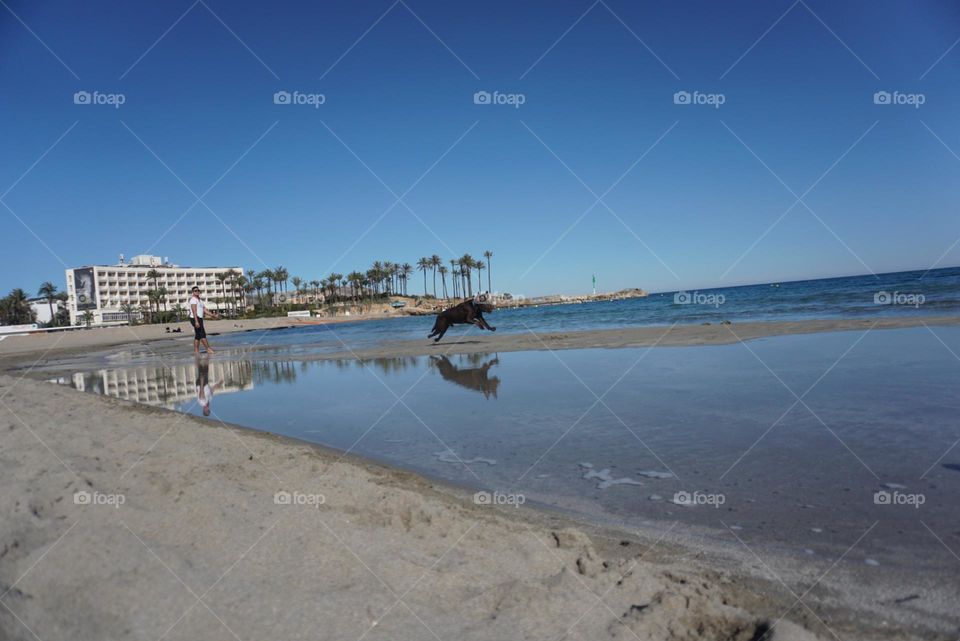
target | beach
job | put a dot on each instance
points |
(180, 536)
(140, 522)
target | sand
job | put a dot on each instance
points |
(183, 538)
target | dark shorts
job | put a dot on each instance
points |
(198, 331)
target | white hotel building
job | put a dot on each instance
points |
(104, 290)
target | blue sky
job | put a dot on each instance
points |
(706, 201)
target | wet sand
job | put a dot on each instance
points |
(143, 523)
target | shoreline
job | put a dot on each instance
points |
(632, 337)
(198, 508)
(13, 355)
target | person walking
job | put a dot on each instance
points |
(197, 311)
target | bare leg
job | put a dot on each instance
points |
(207, 345)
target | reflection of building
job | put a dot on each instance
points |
(109, 292)
(163, 386)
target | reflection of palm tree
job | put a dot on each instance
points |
(475, 378)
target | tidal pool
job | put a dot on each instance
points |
(803, 443)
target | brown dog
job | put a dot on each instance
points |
(466, 313)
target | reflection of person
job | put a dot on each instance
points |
(197, 311)
(204, 388)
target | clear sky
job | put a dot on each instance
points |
(704, 194)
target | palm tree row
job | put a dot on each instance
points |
(383, 278)
(461, 270)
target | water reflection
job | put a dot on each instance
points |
(274, 371)
(165, 386)
(475, 378)
(170, 385)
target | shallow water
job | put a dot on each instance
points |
(786, 440)
(915, 293)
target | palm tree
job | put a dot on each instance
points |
(480, 267)
(406, 270)
(297, 282)
(14, 308)
(266, 276)
(234, 278)
(222, 279)
(282, 275)
(162, 298)
(243, 286)
(335, 282)
(454, 275)
(466, 264)
(129, 310)
(488, 255)
(154, 297)
(443, 279)
(356, 283)
(423, 265)
(153, 275)
(49, 291)
(435, 261)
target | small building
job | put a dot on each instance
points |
(41, 309)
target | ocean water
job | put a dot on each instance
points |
(800, 443)
(915, 293)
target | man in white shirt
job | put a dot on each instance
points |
(197, 309)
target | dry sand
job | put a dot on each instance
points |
(199, 549)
